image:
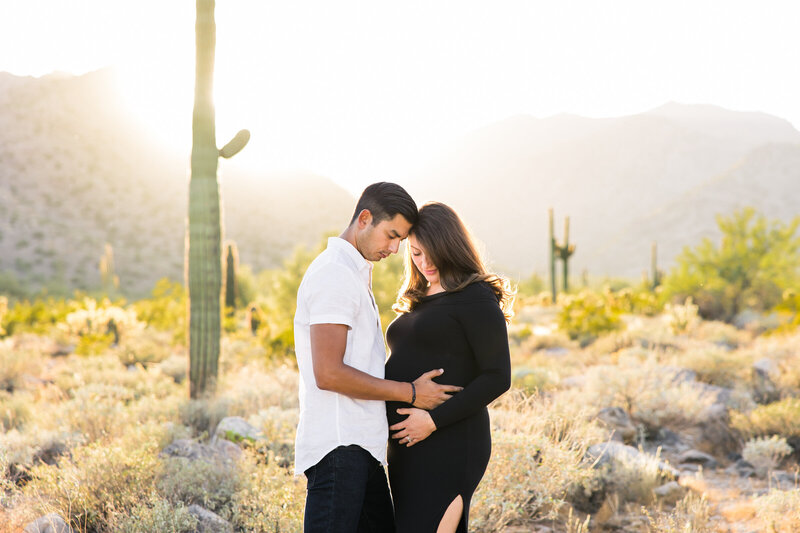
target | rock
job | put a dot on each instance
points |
(669, 441)
(50, 452)
(221, 450)
(741, 468)
(618, 421)
(784, 480)
(51, 523)
(236, 429)
(713, 433)
(209, 522)
(670, 492)
(765, 372)
(575, 381)
(698, 458)
(615, 452)
(681, 375)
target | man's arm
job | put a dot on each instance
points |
(328, 344)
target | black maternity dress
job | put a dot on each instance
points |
(464, 333)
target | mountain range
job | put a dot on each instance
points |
(660, 176)
(77, 171)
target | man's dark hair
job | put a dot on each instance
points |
(385, 200)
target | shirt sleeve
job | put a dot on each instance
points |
(484, 326)
(332, 296)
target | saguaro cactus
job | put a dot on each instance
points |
(655, 273)
(552, 246)
(564, 252)
(108, 276)
(559, 251)
(231, 270)
(204, 231)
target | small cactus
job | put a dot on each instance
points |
(109, 278)
(559, 251)
(231, 272)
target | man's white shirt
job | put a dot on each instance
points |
(337, 289)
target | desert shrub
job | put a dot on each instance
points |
(646, 390)
(717, 366)
(146, 346)
(634, 479)
(537, 457)
(203, 415)
(97, 327)
(15, 363)
(765, 453)
(779, 511)
(639, 302)
(99, 480)
(682, 318)
(532, 380)
(165, 310)
(272, 499)
(38, 316)
(587, 315)
(777, 418)
(755, 261)
(788, 308)
(155, 514)
(691, 514)
(14, 410)
(210, 484)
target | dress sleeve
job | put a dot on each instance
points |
(484, 326)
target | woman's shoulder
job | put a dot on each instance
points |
(477, 291)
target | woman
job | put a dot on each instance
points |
(452, 315)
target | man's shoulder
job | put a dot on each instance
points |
(328, 267)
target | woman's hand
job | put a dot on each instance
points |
(416, 427)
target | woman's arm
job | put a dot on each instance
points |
(484, 326)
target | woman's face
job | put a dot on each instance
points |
(421, 261)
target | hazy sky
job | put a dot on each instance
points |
(366, 90)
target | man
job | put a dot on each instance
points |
(342, 433)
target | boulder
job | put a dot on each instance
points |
(209, 522)
(696, 457)
(741, 468)
(615, 452)
(669, 493)
(236, 429)
(221, 450)
(51, 523)
(618, 421)
(765, 374)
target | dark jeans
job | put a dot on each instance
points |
(348, 493)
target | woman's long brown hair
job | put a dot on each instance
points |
(449, 246)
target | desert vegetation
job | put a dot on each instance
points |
(631, 409)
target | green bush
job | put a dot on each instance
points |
(755, 261)
(156, 514)
(777, 418)
(587, 315)
(209, 484)
(165, 310)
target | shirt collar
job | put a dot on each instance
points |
(354, 255)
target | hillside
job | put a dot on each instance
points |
(607, 175)
(76, 172)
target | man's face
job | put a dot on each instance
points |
(383, 239)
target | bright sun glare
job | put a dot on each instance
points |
(356, 90)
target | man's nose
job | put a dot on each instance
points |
(394, 245)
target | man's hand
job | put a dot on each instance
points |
(429, 393)
(416, 427)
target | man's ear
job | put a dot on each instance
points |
(364, 218)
